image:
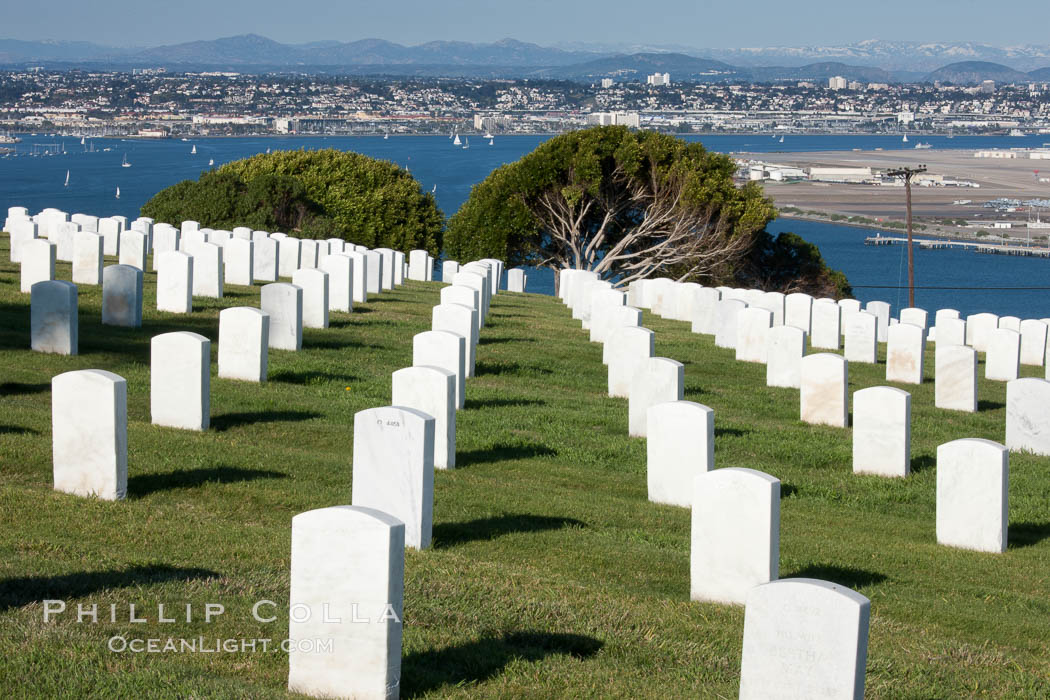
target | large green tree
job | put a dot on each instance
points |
(314, 194)
(624, 204)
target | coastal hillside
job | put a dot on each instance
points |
(550, 575)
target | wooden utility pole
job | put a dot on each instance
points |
(907, 174)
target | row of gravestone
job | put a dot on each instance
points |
(396, 449)
(735, 531)
(751, 332)
(241, 256)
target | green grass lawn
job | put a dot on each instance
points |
(551, 575)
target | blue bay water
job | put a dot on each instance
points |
(37, 182)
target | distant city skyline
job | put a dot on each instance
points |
(697, 24)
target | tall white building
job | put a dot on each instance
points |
(837, 83)
(607, 82)
(630, 119)
(658, 79)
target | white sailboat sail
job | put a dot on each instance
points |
(193, 151)
(118, 193)
(456, 141)
(67, 179)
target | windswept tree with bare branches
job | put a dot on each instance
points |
(624, 204)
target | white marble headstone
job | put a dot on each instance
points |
(284, 304)
(1003, 355)
(314, 284)
(972, 494)
(822, 395)
(446, 350)
(785, 350)
(1033, 342)
(1028, 415)
(340, 269)
(827, 331)
(244, 334)
(288, 256)
(727, 313)
(629, 347)
(449, 269)
(38, 263)
(798, 310)
(175, 282)
(905, 353)
(882, 431)
(53, 315)
(393, 468)
(431, 390)
(753, 325)
(804, 639)
(735, 539)
(347, 590)
(955, 378)
(89, 433)
(680, 445)
(461, 320)
(656, 380)
(122, 296)
(133, 249)
(180, 379)
(87, 258)
(861, 338)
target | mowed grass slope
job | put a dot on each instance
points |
(551, 574)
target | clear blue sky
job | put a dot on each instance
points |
(697, 23)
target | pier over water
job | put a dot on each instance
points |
(986, 248)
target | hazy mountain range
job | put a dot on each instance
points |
(867, 61)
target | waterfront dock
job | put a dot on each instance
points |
(985, 248)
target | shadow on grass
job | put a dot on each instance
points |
(983, 405)
(496, 341)
(495, 403)
(314, 344)
(848, 576)
(1021, 535)
(310, 377)
(145, 484)
(16, 592)
(787, 490)
(485, 368)
(732, 432)
(919, 464)
(480, 660)
(17, 430)
(500, 453)
(450, 534)
(234, 420)
(17, 388)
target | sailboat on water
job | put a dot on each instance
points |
(67, 179)
(456, 141)
(81, 140)
(125, 163)
(118, 193)
(193, 151)
(905, 139)
(781, 140)
(211, 162)
(490, 140)
(466, 142)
